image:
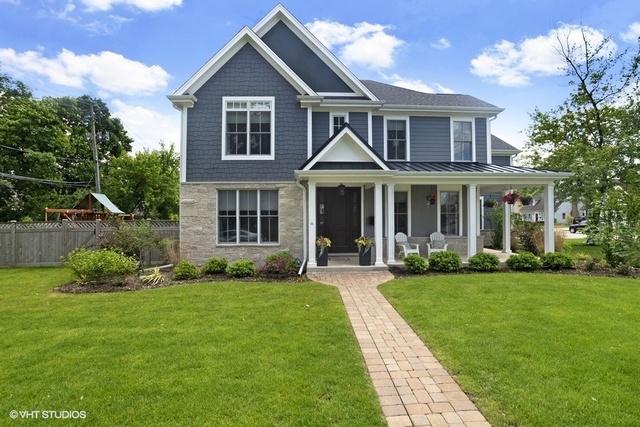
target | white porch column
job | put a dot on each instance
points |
(549, 226)
(378, 222)
(311, 225)
(391, 232)
(506, 227)
(472, 220)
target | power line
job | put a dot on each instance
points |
(75, 184)
(21, 150)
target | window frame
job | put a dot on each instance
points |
(332, 130)
(248, 100)
(408, 138)
(473, 138)
(238, 217)
(459, 212)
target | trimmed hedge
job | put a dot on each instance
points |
(484, 262)
(415, 263)
(446, 261)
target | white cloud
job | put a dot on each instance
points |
(416, 84)
(441, 44)
(146, 5)
(148, 127)
(510, 64)
(364, 44)
(632, 34)
(109, 71)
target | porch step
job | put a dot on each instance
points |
(344, 263)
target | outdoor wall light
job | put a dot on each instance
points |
(341, 188)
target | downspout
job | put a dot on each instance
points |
(305, 235)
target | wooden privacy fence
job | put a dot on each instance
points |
(39, 244)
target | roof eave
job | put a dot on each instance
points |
(490, 111)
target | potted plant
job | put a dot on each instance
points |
(511, 198)
(432, 198)
(364, 249)
(323, 244)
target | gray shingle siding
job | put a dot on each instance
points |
(246, 74)
(303, 61)
(360, 123)
(320, 129)
(430, 139)
(501, 160)
(481, 140)
(377, 126)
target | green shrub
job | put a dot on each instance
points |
(130, 238)
(215, 266)
(447, 261)
(415, 263)
(484, 262)
(185, 270)
(524, 261)
(557, 260)
(281, 264)
(242, 268)
(99, 265)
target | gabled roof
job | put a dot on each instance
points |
(281, 14)
(394, 96)
(345, 149)
(245, 36)
(500, 146)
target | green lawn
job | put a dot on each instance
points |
(533, 349)
(579, 246)
(211, 354)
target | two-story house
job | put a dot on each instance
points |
(282, 143)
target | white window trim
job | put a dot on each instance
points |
(473, 138)
(405, 189)
(408, 130)
(331, 116)
(238, 242)
(452, 189)
(270, 156)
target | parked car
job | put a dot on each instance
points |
(578, 226)
(245, 236)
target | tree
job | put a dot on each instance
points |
(146, 183)
(45, 150)
(594, 134)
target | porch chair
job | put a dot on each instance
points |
(407, 248)
(436, 243)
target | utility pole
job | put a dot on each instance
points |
(96, 162)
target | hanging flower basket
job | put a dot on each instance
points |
(511, 198)
(432, 198)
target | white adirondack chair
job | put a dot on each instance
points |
(436, 243)
(407, 248)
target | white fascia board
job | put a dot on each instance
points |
(346, 132)
(280, 13)
(476, 111)
(181, 101)
(483, 179)
(344, 176)
(229, 50)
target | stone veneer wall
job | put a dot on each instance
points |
(198, 223)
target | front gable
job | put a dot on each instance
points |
(345, 150)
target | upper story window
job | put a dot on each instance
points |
(248, 125)
(397, 141)
(463, 141)
(337, 121)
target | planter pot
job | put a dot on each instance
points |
(322, 260)
(365, 257)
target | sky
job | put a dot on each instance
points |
(133, 53)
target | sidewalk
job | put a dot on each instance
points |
(413, 388)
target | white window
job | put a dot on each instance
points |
(450, 213)
(463, 138)
(248, 216)
(337, 121)
(396, 139)
(248, 125)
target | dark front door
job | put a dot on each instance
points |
(338, 217)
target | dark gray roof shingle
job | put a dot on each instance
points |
(394, 95)
(498, 144)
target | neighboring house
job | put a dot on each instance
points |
(535, 211)
(281, 143)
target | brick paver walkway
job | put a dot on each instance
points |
(413, 388)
